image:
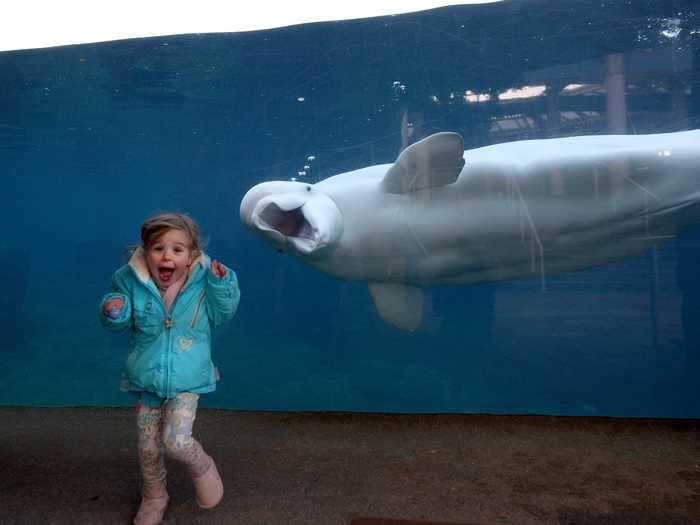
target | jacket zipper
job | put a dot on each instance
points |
(168, 322)
(168, 325)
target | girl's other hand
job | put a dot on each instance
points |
(113, 307)
(218, 269)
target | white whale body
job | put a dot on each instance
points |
(440, 215)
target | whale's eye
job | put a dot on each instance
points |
(280, 250)
(308, 188)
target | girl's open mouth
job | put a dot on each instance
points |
(165, 274)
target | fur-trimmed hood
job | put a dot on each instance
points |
(137, 262)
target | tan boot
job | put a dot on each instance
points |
(208, 487)
(153, 505)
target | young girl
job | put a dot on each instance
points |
(169, 296)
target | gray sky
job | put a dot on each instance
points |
(27, 24)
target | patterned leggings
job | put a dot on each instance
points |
(168, 429)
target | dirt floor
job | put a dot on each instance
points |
(75, 466)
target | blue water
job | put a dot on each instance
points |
(95, 138)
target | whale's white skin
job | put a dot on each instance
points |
(440, 215)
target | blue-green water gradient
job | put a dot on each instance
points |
(94, 138)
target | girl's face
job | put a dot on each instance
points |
(169, 257)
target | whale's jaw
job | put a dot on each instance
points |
(303, 222)
(289, 226)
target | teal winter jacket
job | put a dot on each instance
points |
(171, 353)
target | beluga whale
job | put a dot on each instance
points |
(440, 215)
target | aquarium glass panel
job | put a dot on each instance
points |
(475, 209)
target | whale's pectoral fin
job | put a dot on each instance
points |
(398, 304)
(434, 161)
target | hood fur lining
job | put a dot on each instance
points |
(139, 265)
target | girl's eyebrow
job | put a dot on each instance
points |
(176, 244)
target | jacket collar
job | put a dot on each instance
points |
(138, 264)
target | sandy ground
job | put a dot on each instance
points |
(74, 466)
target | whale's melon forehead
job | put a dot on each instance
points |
(279, 186)
(353, 184)
(263, 190)
(366, 173)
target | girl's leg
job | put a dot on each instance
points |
(154, 496)
(180, 414)
(149, 423)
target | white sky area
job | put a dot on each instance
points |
(28, 24)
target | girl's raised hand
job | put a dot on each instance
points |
(218, 269)
(113, 307)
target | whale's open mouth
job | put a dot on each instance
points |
(292, 224)
(293, 217)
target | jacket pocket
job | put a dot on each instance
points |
(193, 369)
(146, 324)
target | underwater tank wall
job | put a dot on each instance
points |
(95, 138)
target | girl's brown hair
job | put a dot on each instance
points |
(154, 227)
